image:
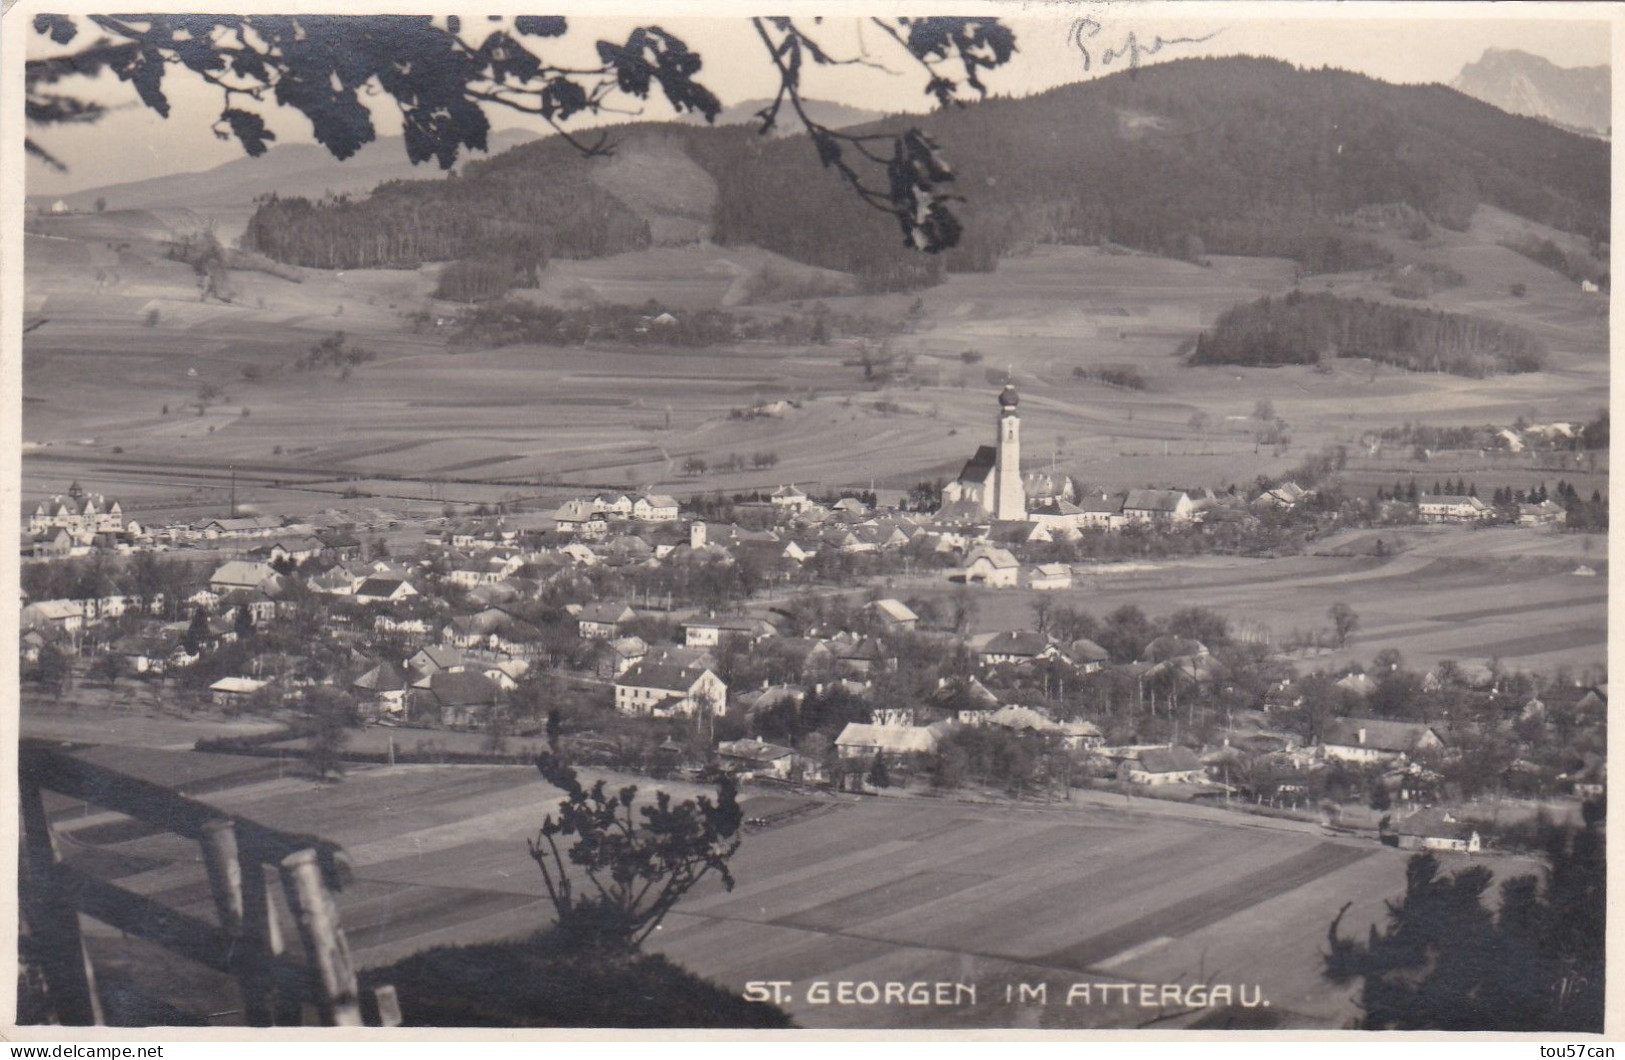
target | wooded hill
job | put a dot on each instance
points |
(1305, 328)
(1233, 156)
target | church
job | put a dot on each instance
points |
(992, 487)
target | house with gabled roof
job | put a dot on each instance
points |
(1047, 577)
(755, 758)
(674, 683)
(1158, 506)
(991, 566)
(1164, 765)
(1376, 740)
(381, 589)
(789, 500)
(1017, 646)
(578, 518)
(1451, 508)
(862, 742)
(710, 631)
(463, 698)
(602, 619)
(893, 614)
(241, 574)
(656, 508)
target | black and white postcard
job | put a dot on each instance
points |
(1061, 518)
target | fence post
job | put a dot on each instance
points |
(53, 919)
(264, 1003)
(326, 950)
(240, 901)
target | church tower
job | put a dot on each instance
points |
(1010, 495)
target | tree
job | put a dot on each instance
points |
(1344, 622)
(1446, 961)
(53, 670)
(109, 666)
(101, 204)
(332, 713)
(243, 622)
(1264, 410)
(640, 860)
(879, 772)
(443, 82)
(197, 632)
(555, 728)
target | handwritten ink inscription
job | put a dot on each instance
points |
(1083, 31)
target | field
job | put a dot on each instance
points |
(467, 426)
(1098, 890)
(1449, 594)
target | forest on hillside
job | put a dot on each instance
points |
(1308, 328)
(1204, 156)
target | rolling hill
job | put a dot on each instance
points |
(1231, 156)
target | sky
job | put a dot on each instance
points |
(1431, 44)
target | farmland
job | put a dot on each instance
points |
(481, 424)
(1096, 890)
(1472, 596)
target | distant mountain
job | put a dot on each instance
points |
(1519, 83)
(831, 115)
(1201, 156)
(287, 169)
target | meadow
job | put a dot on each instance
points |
(98, 378)
(1095, 890)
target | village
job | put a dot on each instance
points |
(767, 637)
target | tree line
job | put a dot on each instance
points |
(1305, 328)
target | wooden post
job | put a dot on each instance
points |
(389, 1006)
(326, 950)
(262, 942)
(53, 919)
(241, 903)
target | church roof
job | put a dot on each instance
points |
(979, 468)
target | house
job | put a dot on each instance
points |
(434, 658)
(1050, 576)
(1100, 511)
(1164, 765)
(613, 507)
(247, 526)
(383, 590)
(81, 514)
(788, 500)
(893, 614)
(242, 574)
(755, 758)
(289, 550)
(1432, 829)
(64, 616)
(1087, 656)
(1158, 506)
(671, 684)
(991, 566)
(234, 691)
(1451, 508)
(1546, 513)
(1017, 646)
(1376, 740)
(863, 742)
(462, 697)
(1283, 497)
(709, 632)
(624, 653)
(384, 685)
(655, 508)
(579, 518)
(601, 619)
